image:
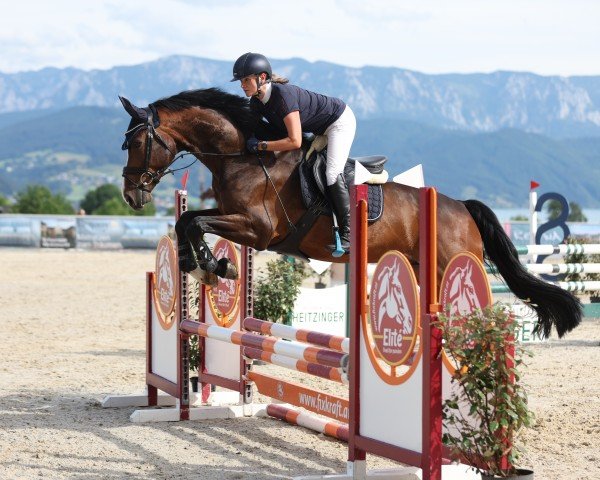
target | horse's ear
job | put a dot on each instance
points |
(135, 112)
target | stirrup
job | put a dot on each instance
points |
(338, 251)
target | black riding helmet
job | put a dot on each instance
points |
(251, 64)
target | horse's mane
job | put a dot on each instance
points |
(234, 107)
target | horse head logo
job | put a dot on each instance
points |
(165, 280)
(227, 284)
(392, 299)
(462, 296)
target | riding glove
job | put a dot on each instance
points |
(252, 145)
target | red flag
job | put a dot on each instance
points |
(184, 179)
(533, 185)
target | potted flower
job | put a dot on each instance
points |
(488, 405)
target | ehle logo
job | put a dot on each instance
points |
(165, 282)
(224, 299)
(394, 314)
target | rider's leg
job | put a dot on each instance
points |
(340, 136)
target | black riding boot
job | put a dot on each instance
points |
(340, 202)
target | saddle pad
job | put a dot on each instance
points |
(313, 198)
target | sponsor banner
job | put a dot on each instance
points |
(527, 319)
(18, 231)
(321, 310)
(145, 233)
(313, 400)
(97, 232)
(58, 233)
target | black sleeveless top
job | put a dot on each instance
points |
(317, 112)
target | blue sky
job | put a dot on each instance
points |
(549, 37)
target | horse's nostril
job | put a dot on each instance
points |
(129, 199)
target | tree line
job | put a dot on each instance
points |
(104, 200)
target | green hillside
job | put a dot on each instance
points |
(74, 150)
(493, 167)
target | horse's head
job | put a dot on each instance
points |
(149, 154)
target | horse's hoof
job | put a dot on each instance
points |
(227, 269)
(204, 277)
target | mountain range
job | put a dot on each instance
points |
(478, 135)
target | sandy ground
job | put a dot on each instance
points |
(72, 331)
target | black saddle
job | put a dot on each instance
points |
(312, 184)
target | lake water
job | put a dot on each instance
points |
(505, 214)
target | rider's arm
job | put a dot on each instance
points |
(294, 138)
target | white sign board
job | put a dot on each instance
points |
(322, 310)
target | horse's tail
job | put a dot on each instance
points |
(553, 305)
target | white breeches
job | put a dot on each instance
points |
(340, 135)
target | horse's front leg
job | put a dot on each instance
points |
(187, 258)
(237, 228)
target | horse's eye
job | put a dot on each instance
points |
(136, 144)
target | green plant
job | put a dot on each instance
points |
(489, 407)
(276, 291)
(4, 204)
(194, 353)
(107, 200)
(580, 258)
(39, 199)
(575, 212)
(195, 290)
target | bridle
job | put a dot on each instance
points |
(147, 176)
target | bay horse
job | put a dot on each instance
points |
(259, 198)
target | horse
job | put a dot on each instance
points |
(258, 200)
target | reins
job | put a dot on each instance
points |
(262, 164)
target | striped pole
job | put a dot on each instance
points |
(268, 344)
(303, 419)
(591, 286)
(315, 369)
(586, 248)
(341, 344)
(549, 268)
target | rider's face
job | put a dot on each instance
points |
(249, 85)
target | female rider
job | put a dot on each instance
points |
(292, 110)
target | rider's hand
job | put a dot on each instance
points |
(252, 145)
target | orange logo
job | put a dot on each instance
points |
(464, 288)
(394, 322)
(165, 282)
(224, 299)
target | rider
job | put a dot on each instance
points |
(292, 110)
